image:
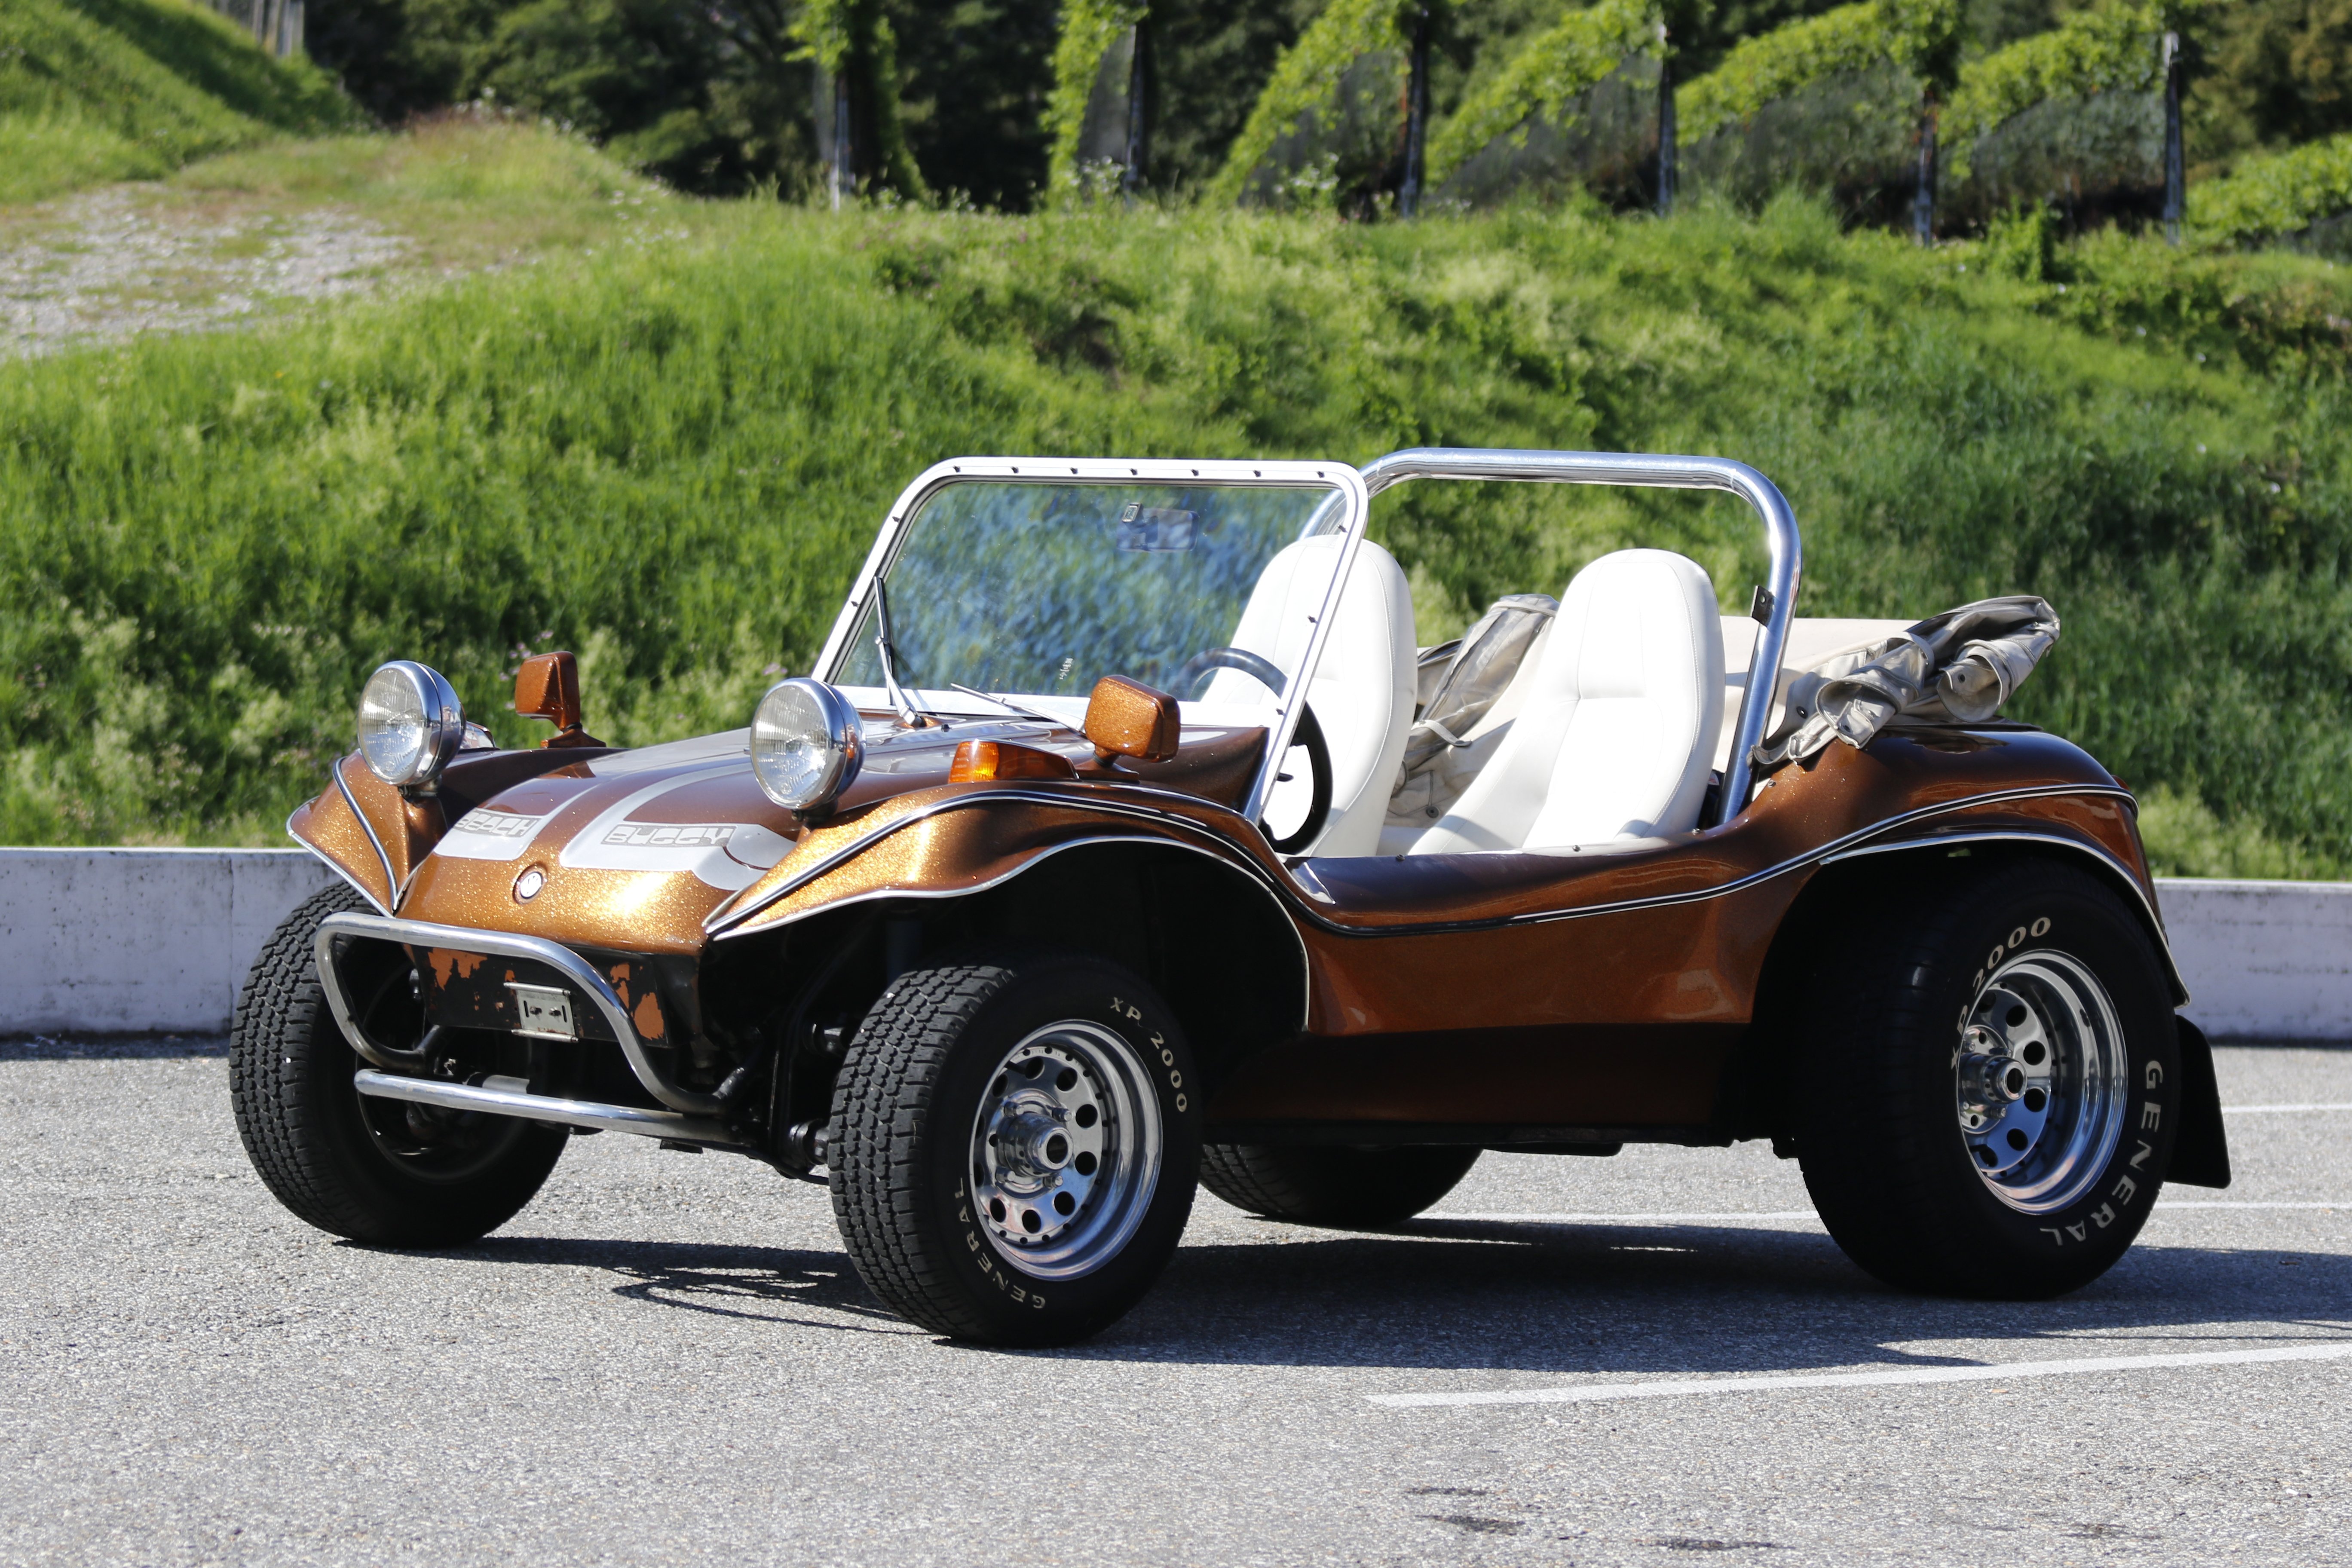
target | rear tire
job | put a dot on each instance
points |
(1013, 1145)
(1989, 1082)
(371, 1170)
(1348, 1188)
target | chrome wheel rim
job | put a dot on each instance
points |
(1065, 1150)
(2041, 1081)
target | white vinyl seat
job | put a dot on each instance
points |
(1362, 690)
(1618, 726)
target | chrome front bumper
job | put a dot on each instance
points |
(503, 1101)
(576, 971)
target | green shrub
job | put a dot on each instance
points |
(670, 457)
(2116, 47)
(1546, 77)
(2274, 196)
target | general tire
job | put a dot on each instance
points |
(1880, 1049)
(310, 1134)
(1342, 1187)
(925, 1064)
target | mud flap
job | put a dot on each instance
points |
(2200, 1158)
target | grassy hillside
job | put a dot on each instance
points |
(668, 452)
(94, 90)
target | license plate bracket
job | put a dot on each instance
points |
(543, 1012)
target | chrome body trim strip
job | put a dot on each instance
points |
(1825, 852)
(1342, 478)
(2003, 835)
(504, 944)
(1306, 962)
(541, 1108)
(1783, 544)
(331, 864)
(1300, 909)
(390, 882)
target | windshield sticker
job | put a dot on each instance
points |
(487, 833)
(727, 855)
(1155, 527)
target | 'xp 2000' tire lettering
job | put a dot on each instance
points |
(1013, 1146)
(1989, 1082)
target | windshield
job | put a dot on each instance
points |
(1039, 590)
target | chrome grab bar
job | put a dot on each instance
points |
(497, 945)
(1784, 549)
(540, 1108)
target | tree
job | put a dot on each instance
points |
(2275, 72)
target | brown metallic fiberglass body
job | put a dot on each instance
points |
(1595, 994)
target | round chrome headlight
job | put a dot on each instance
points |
(410, 723)
(807, 744)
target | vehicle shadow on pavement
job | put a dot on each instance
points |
(1572, 1300)
(761, 1284)
(109, 1048)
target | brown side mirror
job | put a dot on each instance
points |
(1127, 718)
(547, 685)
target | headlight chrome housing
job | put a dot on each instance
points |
(410, 723)
(807, 743)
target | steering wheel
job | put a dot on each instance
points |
(1308, 736)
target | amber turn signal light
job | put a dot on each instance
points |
(547, 685)
(985, 761)
(1127, 718)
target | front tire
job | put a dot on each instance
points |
(1348, 1188)
(1989, 1082)
(1013, 1145)
(375, 1170)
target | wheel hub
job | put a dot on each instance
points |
(1065, 1149)
(2038, 1080)
(2005, 1078)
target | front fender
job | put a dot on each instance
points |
(958, 840)
(374, 836)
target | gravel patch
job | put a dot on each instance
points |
(115, 263)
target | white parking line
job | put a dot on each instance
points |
(1719, 1216)
(1699, 1218)
(2267, 1109)
(1582, 1394)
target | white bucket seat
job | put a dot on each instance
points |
(1362, 692)
(1618, 726)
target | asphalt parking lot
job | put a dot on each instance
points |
(667, 1359)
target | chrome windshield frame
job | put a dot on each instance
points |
(1783, 546)
(1338, 477)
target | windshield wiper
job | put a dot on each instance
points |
(912, 717)
(1037, 713)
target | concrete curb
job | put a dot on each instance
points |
(146, 940)
(2263, 961)
(123, 941)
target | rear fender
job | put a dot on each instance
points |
(1752, 1101)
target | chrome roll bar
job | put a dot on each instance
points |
(1784, 549)
(575, 969)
